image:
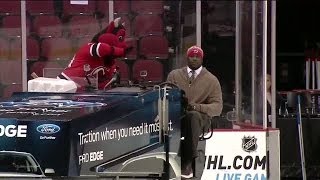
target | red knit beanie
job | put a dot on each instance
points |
(195, 51)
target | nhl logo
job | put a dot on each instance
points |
(249, 144)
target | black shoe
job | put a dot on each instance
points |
(187, 172)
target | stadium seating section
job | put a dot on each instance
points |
(148, 7)
(10, 7)
(77, 9)
(11, 25)
(121, 7)
(40, 7)
(4, 49)
(149, 51)
(56, 29)
(10, 72)
(124, 71)
(147, 71)
(57, 48)
(83, 25)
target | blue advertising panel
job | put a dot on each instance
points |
(45, 140)
(81, 134)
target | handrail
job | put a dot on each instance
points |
(204, 133)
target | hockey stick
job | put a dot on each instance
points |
(299, 122)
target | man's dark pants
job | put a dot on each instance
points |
(193, 124)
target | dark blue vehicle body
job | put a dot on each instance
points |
(75, 133)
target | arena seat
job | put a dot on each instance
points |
(149, 50)
(10, 7)
(79, 9)
(121, 7)
(79, 42)
(131, 42)
(40, 7)
(33, 49)
(124, 71)
(154, 25)
(83, 25)
(15, 52)
(15, 49)
(4, 49)
(10, 89)
(11, 25)
(147, 70)
(48, 26)
(47, 68)
(51, 72)
(103, 8)
(57, 48)
(10, 72)
(147, 7)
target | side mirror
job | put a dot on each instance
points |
(49, 171)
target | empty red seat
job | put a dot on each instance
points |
(81, 41)
(57, 48)
(10, 7)
(33, 49)
(12, 25)
(147, 24)
(52, 72)
(15, 49)
(4, 49)
(48, 26)
(147, 7)
(147, 70)
(15, 52)
(154, 47)
(124, 70)
(47, 68)
(103, 8)
(10, 89)
(76, 9)
(10, 72)
(40, 7)
(83, 26)
(121, 7)
(131, 42)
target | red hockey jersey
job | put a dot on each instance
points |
(93, 60)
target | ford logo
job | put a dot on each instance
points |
(48, 128)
